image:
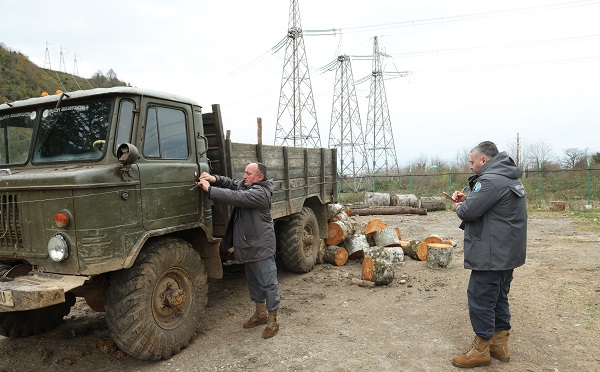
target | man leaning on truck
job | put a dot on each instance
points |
(251, 232)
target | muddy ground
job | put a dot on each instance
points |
(329, 324)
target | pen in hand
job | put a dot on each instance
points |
(464, 189)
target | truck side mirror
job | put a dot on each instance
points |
(127, 154)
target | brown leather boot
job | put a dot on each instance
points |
(478, 355)
(499, 346)
(259, 317)
(272, 325)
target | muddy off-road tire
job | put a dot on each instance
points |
(154, 308)
(298, 241)
(36, 321)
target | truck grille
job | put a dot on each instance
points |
(10, 228)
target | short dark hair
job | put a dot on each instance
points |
(487, 148)
(262, 169)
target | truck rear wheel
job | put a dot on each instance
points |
(37, 321)
(154, 308)
(299, 241)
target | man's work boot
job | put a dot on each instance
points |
(478, 355)
(259, 317)
(272, 325)
(499, 346)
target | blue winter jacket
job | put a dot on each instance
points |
(250, 231)
(495, 217)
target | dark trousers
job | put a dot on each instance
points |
(488, 301)
(262, 282)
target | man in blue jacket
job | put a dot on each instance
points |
(494, 219)
(251, 233)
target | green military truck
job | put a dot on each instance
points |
(97, 202)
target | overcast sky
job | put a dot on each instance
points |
(479, 70)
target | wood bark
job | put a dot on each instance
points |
(377, 198)
(439, 256)
(363, 283)
(374, 226)
(410, 249)
(333, 209)
(432, 203)
(338, 231)
(387, 237)
(404, 200)
(392, 254)
(340, 216)
(355, 246)
(370, 211)
(379, 271)
(335, 255)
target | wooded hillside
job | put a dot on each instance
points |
(21, 79)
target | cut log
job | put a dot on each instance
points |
(371, 211)
(321, 254)
(341, 216)
(439, 256)
(387, 237)
(379, 271)
(398, 232)
(404, 200)
(335, 255)
(355, 246)
(333, 209)
(374, 226)
(377, 198)
(557, 206)
(410, 249)
(338, 231)
(392, 254)
(363, 283)
(432, 203)
(422, 250)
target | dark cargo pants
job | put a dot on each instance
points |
(488, 301)
(262, 282)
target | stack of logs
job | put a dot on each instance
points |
(379, 247)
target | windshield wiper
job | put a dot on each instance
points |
(51, 126)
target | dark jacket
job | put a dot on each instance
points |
(494, 217)
(250, 231)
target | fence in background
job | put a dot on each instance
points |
(577, 187)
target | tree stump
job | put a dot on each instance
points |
(404, 200)
(335, 255)
(410, 249)
(395, 254)
(387, 237)
(355, 246)
(338, 231)
(439, 256)
(432, 203)
(377, 198)
(379, 271)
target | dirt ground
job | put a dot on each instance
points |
(329, 324)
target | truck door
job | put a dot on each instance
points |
(167, 165)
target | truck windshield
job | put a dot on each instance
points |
(16, 130)
(72, 132)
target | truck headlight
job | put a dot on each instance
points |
(58, 248)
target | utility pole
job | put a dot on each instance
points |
(345, 132)
(296, 117)
(379, 135)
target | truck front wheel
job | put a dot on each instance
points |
(155, 307)
(299, 241)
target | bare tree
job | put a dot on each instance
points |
(537, 154)
(574, 157)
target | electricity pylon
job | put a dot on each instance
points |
(296, 118)
(47, 64)
(379, 137)
(345, 132)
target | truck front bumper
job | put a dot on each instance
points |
(36, 291)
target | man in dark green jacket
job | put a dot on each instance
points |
(251, 233)
(494, 219)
